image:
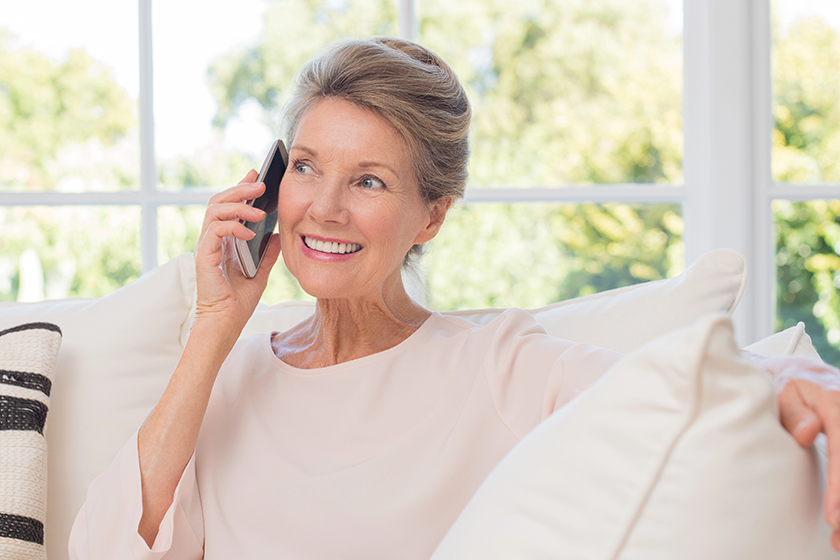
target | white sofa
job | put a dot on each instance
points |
(675, 453)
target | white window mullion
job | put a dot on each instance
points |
(764, 246)
(148, 171)
(717, 124)
(408, 28)
(579, 194)
(803, 192)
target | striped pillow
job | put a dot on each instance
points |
(27, 361)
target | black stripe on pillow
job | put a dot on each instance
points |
(21, 528)
(22, 414)
(26, 380)
(32, 326)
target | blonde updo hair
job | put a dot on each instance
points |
(409, 86)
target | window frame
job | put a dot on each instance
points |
(727, 125)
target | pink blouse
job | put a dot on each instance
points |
(372, 458)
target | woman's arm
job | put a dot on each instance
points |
(225, 302)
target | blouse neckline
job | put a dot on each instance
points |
(350, 364)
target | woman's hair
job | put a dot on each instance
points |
(409, 86)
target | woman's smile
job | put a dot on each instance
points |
(328, 249)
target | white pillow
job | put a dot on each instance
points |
(676, 452)
(117, 355)
(792, 341)
(622, 319)
(27, 362)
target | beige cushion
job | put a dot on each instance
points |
(676, 452)
(28, 354)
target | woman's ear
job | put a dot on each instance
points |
(437, 214)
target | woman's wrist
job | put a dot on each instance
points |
(213, 337)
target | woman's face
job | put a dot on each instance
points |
(349, 204)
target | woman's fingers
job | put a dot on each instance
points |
(828, 407)
(211, 243)
(796, 415)
(806, 409)
(238, 193)
(232, 211)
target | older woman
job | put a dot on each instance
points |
(363, 431)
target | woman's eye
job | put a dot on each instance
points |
(372, 183)
(302, 168)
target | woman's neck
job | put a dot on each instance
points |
(348, 329)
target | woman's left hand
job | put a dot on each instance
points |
(809, 403)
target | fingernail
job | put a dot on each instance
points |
(801, 426)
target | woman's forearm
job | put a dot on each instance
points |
(166, 440)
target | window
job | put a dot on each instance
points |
(611, 144)
(806, 169)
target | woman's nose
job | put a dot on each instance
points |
(329, 203)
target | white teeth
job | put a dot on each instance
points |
(330, 246)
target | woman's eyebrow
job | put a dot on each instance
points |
(309, 151)
(377, 164)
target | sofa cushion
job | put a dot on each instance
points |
(116, 358)
(676, 452)
(27, 362)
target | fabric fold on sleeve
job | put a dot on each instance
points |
(578, 367)
(106, 527)
(531, 374)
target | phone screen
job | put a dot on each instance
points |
(267, 203)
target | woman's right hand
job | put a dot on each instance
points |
(224, 293)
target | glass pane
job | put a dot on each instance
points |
(532, 254)
(566, 92)
(808, 271)
(220, 83)
(178, 231)
(806, 91)
(68, 251)
(68, 101)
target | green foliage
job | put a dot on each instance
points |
(808, 273)
(578, 91)
(84, 251)
(806, 142)
(293, 32)
(210, 167)
(48, 108)
(529, 255)
(806, 85)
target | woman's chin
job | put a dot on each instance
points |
(326, 288)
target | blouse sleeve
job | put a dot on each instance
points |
(106, 527)
(531, 374)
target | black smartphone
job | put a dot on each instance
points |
(250, 253)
